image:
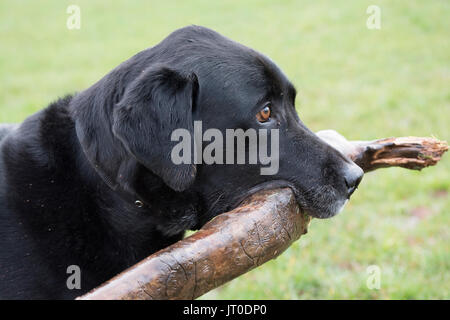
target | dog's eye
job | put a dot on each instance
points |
(264, 114)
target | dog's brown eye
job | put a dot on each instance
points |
(264, 114)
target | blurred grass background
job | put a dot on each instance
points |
(364, 83)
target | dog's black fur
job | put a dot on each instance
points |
(71, 173)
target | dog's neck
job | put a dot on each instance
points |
(122, 228)
(139, 190)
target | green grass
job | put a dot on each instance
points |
(364, 83)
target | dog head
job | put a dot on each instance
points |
(196, 77)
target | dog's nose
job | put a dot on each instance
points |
(352, 178)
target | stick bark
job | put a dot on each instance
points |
(259, 230)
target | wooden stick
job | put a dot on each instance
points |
(259, 230)
(407, 152)
(226, 247)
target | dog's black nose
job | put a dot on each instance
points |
(352, 178)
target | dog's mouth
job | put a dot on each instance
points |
(324, 204)
(318, 203)
(269, 185)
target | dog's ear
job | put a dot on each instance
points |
(155, 104)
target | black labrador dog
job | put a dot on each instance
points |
(89, 180)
